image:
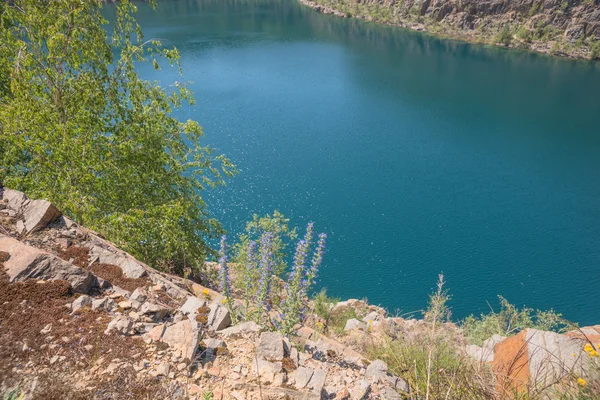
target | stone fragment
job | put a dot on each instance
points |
(479, 353)
(140, 295)
(353, 324)
(539, 358)
(317, 381)
(191, 305)
(27, 262)
(211, 343)
(154, 311)
(270, 346)
(162, 369)
(20, 227)
(266, 369)
(81, 301)
(38, 214)
(218, 318)
(245, 329)
(121, 324)
(16, 200)
(156, 333)
(46, 329)
(389, 394)
(377, 371)
(360, 390)
(398, 383)
(301, 377)
(491, 343)
(183, 337)
(104, 303)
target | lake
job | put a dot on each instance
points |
(416, 155)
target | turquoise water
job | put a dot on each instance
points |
(415, 155)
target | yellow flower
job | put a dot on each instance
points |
(205, 292)
(581, 382)
(588, 347)
(574, 355)
(224, 301)
(593, 353)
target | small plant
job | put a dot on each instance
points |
(323, 304)
(208, 396)
(13, 395)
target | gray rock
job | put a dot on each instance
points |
(360, 390)
(20, 227)
(270, 346)
(218, 318)
(121, 324)
(245, 329)
(28, 262)
(211, 343)
(371, 317)
(266, 369)
(490, 343)
(130, 266)
(389, 394)
(81, 301)
(398, 383)
(317, 381)
(353, 324)
(16, 200)
(139, 295)
(183, 337)
(162, 369)
(191, 305)
(154, 311)
(105, 303)
(377, 371)
(301, 377)
(38, 214)
(479, 353)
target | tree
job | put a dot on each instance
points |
(82, 129)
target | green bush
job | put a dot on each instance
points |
(509, 321)
(504, 36)
(79, 127)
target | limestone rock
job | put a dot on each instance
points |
(377, 371)
(266, 369)
(183, 337)
(301, 377)
(539, 358)
(361, 390)
(218, 318)
(353, 324)
(140, 295)
(81, 301)
(154, 311)
(389, 394)
(156, 333)
(191, 305)
(480, 354)
(16, 200)
(245, 329)
(317, 381)
(130, 266)
(38, 214)
(27, 262)
(104, 303)
(270, 346)
(121, 324)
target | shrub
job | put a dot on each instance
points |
(509, 321)
(504, 36)
(79, 127)
(323, 304)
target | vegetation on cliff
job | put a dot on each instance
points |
(79, 127)
(570, 28)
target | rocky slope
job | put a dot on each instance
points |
(80, 318)
(562, 27)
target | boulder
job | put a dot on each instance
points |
(218, 318)
(360, 390)
(270, 346)
(38, 214)
(191, 305)
(266, 369)
(377, 371)
(183, 337)
(539, 358)
(480, 354)
(354, 324)
(16, 200)
(81, 301)
(245, 329)
(154, 311)
(301, 376)
(317, 381)
(104, 303)
(28, 262)
(121, 324)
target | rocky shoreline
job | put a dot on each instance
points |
(101, 324)
(571, 33)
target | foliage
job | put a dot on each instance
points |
(511, 320)
(504, 36)
(257, 277)
(595, 50)
(13, 395)
(278, 225)
(79, 127)
(437, 310)
(338, 318)
(323, 304)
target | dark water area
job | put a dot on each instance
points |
(416, 155)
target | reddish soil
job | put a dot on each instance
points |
(80, 256)
(25, 352)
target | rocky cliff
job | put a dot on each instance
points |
(79, 318)
(561, 27)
